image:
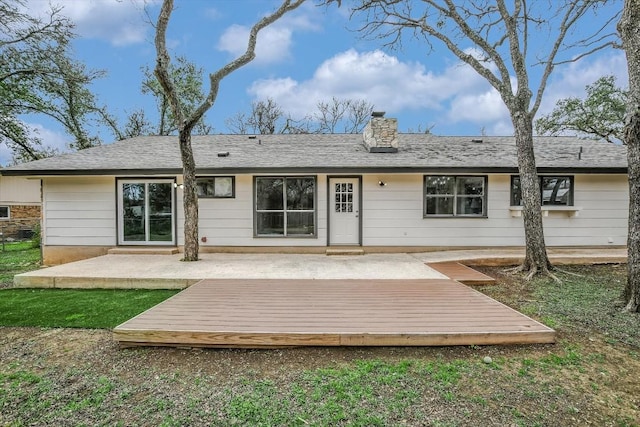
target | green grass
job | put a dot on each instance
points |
(64, 308)
(75, 308)
(586, 302)
(18, 257)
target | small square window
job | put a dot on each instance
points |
(4, 212)
(216, 187)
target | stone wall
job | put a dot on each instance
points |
(21, 219)
(381, 135)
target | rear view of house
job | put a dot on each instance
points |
(380, 191)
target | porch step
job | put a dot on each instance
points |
(125, 250)
(345, 251)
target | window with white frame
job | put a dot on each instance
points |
(555, 190)
(285, 206)
(4, 212)
(216, 187)
(449, 195)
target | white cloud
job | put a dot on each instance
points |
(570, 80)
(119, 22)
(50, 138)
(379, 78)
(274, 42)
(273, 45)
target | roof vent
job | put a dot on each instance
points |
(225, 154)
(477, 141)
(252, 137)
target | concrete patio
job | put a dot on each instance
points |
(167, 271)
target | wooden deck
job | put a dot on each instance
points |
(279, 313)
(462, 273)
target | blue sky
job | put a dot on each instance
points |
(311, 55)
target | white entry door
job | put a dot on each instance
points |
(344, 211)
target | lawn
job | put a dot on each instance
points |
(75, 308)
(16, 258)
(64, 308)
(80, 377)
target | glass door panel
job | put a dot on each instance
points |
(160, 215)
(134, 212)
(146, 215)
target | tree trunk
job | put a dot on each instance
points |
(190, 197)
(536, 260)
(629, 29)
(632, 290)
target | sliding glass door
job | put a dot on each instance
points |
(146, 212)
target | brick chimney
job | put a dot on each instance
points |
(381, 134)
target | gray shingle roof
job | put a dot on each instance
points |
(328, 153)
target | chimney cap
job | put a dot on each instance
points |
(377, 114)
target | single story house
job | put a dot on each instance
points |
(379, 191)
(19, 206)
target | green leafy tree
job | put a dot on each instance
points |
(187, 119)
(39, 76)
(188, 79)
(599, 115)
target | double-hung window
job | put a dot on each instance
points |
(285, 206)
(448, 195)
(556, 190)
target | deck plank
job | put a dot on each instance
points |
(462, 273)
(280, 313)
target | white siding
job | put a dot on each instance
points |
(79, 211)
(82, 211)
(393, 215)
(229, 222)
(15, 190)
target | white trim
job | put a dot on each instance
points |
(571, 211)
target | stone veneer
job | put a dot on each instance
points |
(381, 135)
(21, 217)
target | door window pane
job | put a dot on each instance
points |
(160, 212)
(134, 213)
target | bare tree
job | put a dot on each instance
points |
(336, 116)
(187, 120)
(629, 29)
(496, 39)
(342, 115)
